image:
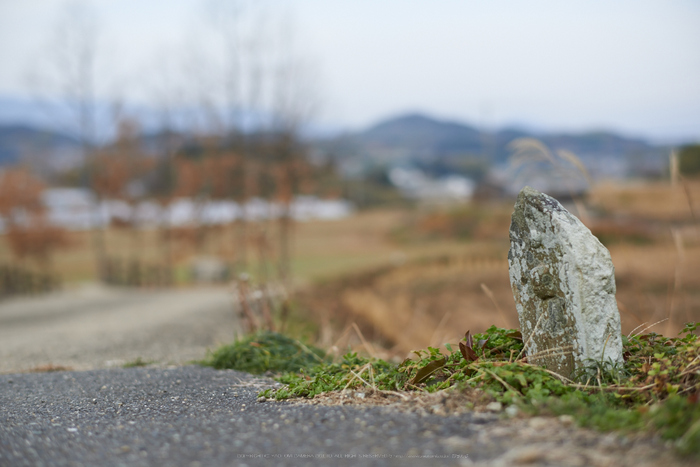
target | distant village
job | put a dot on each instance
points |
(78, 209)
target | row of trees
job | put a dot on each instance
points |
(250, 94)
(201, 169)
(273, 166)
(28, 233)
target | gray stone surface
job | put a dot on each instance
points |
(563, 282)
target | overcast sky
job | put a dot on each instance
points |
(627, 65)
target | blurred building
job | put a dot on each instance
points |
(415, 184)
(78, 209)
(72, 208)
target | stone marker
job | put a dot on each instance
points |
(563, 282)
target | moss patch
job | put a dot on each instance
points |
(263, 352)
(657, 388)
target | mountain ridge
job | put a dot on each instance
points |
(18, 140)
(422, 140)
(412, 138)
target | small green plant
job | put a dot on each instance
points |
(136, 363)
(350, 373)
(265, 351)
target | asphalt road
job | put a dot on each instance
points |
(194, 416)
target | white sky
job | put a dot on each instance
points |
(627, 65)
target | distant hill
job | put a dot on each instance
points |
(425, 135)
(21, 141)
(596, 143)
(439, 147)
(55, 150)
(417, 139)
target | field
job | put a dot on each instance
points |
(405, 279)
(435, 297)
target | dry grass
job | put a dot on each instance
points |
(49, 368)
(325, 250)
(437, 299)
(321, 249)
(411, 291)
(420, 303)
(76, 262)
(432, 302)
(657, 201)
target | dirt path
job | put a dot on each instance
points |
(98, 327)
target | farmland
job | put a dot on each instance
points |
(408, 278)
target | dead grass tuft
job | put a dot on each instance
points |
(48, 368)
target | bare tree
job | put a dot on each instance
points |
(255, 92)
(293, 100)
(167, 86)
(65, 81)
(29, 233)
(239, 36)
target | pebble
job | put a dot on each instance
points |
(494, 406)
(539, 423)
(512, 411)
(526, 455)
(566, 420)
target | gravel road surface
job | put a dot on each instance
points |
(100, 327)
(193, 416)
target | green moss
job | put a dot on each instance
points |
(265, 351)
(657, 389)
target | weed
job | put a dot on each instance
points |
(678, 419)
(480, 221)
(49, 368)
(350, 373)
(656, 389)
(265, 351)
(136, 363)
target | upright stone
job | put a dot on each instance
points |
(563, 281)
